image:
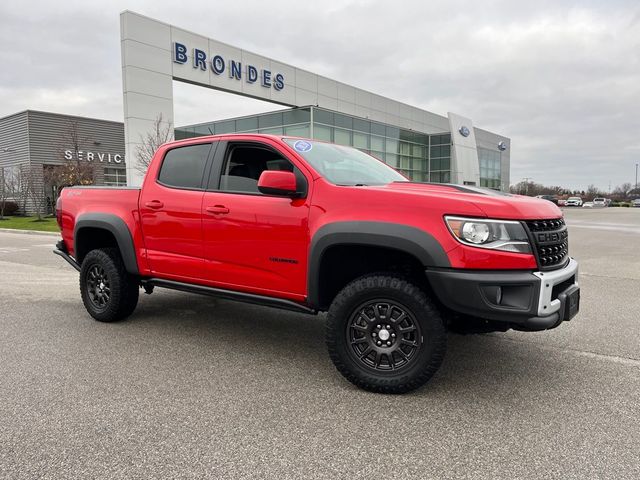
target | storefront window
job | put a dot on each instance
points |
(377, 143)
(342, 137)
(322, 132)
(297, 131)
(115, 177)
(360, 140)
(490, 162)
(272, 131)
(296, 115)
(246, 124)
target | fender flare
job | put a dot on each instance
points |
(414, 241)
(118, 228)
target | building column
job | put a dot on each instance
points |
(464, 152)
(147, 84)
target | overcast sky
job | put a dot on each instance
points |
(561, 79)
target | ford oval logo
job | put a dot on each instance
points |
(502, 146)
(464, 131)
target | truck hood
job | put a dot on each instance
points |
(492, 203)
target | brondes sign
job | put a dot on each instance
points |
(233, 68)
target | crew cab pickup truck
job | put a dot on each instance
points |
(315, 227)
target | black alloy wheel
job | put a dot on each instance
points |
(108, 291)
(98, 287)
(384, 334)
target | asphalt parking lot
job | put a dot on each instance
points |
(193, 387)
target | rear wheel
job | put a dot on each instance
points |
(108, 291)
(385, 335)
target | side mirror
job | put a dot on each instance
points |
(278, 182)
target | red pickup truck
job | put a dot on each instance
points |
(315, 227)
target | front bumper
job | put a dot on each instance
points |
(523, 299)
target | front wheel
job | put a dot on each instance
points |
(385, 335)
(108, 291)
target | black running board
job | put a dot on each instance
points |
(229, 295)
(70, 260)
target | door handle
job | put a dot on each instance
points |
(155, 204)
(217, 209)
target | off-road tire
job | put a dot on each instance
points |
(105, 267)
(350, 316)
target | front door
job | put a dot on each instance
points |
(171, 213)
(254, 242)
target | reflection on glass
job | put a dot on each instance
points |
(410, 151)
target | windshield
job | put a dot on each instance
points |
(344, 165)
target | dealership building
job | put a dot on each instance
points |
(32, 143)
(425, 146)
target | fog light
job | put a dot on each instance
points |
(493, 294)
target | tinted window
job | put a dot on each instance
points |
(244, 166)
(322, 116)
(299, 115)
(270, 120)
(183, 167)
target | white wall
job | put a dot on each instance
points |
(464, 155)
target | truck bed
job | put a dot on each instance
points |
(76, 202)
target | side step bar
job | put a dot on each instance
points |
(204, 290)
(229, 295)
(70, 260)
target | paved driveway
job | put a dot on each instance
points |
(193, 387)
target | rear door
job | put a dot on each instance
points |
(255, 242)
(171, 212)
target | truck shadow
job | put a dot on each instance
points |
(485, 365)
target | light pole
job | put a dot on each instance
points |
(636, 177)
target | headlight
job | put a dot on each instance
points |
(505, 235)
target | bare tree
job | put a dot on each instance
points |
(593, 192)
(17, 185)
(73, 171)
(621, 191)
(527, 187)
(162, 132)
(32, 188)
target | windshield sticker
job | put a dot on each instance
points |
(302, 146)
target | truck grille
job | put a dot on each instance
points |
(550, 241)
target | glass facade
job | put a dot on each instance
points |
(490, 163)
(295, 122)
(405, 150)
(420, 156)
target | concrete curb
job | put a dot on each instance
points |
(29, 232)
